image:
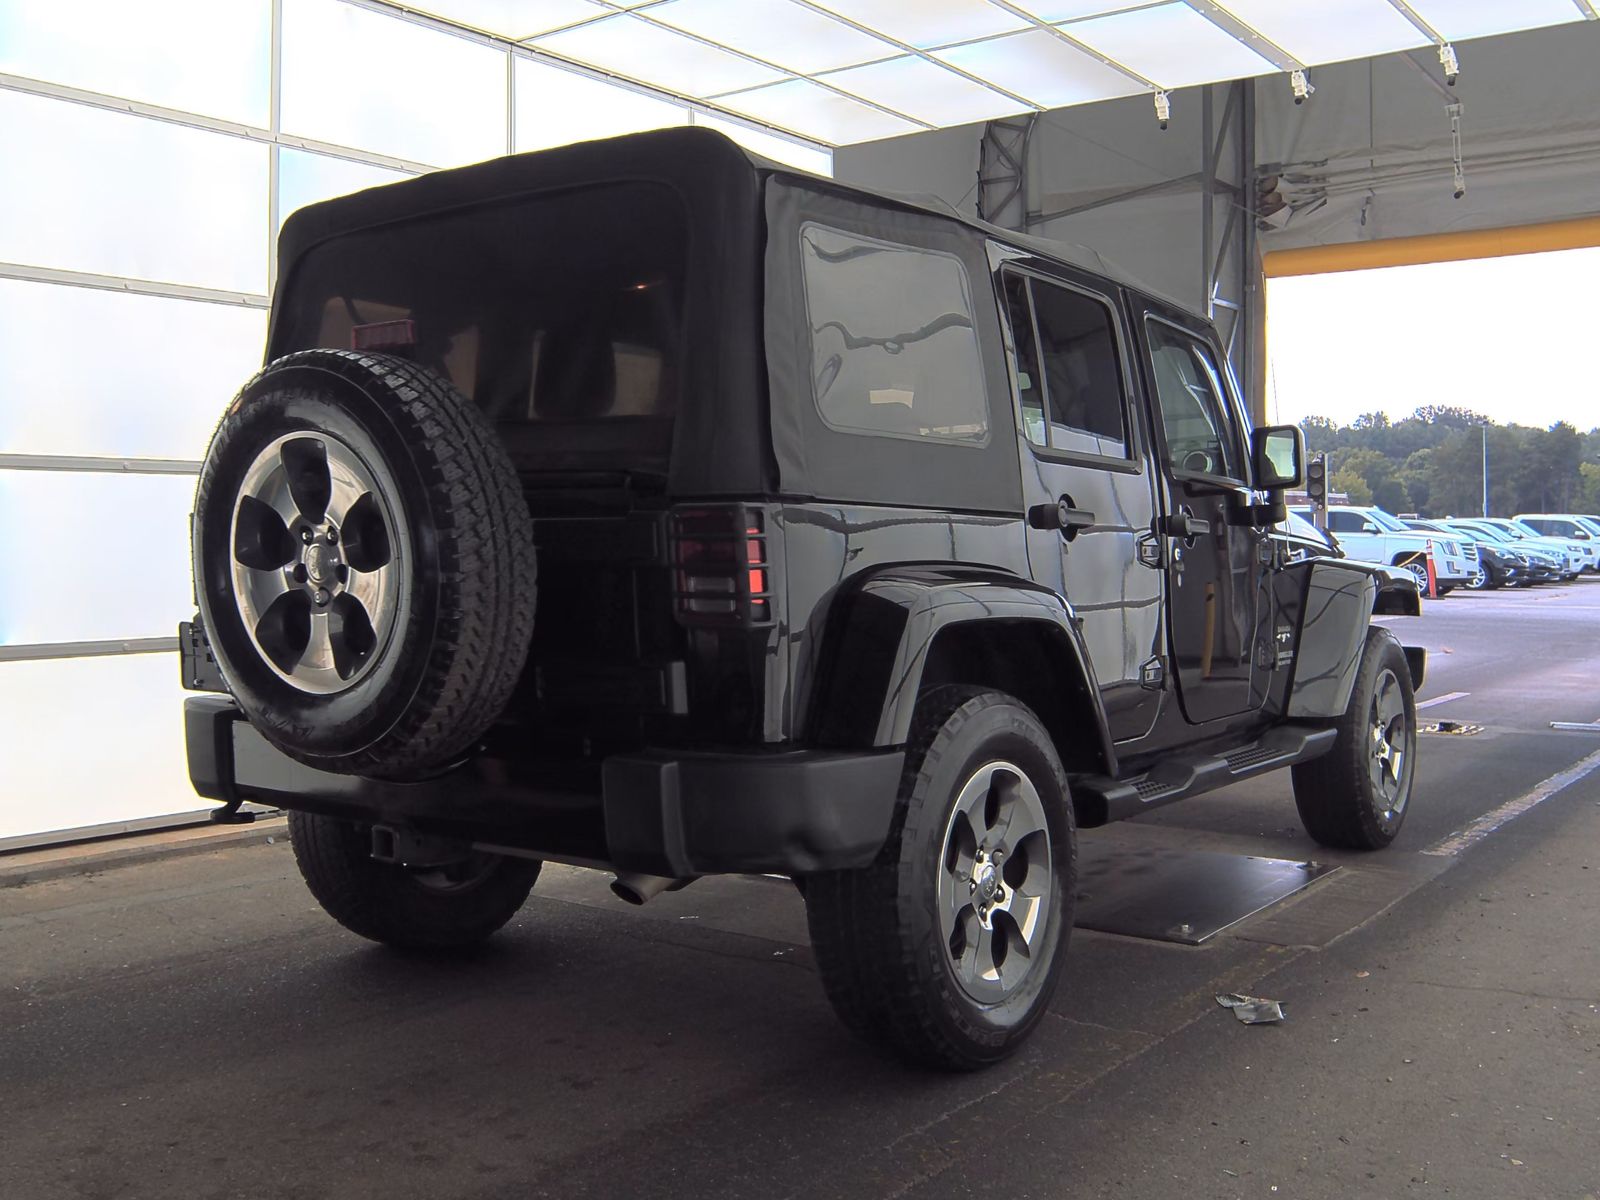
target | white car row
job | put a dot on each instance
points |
(1474, 552)
(1372, 535)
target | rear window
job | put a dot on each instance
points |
(557, 309)
(894, 347)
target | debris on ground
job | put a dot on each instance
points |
(1253, 1010)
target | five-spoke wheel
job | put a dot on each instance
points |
(363, 563)
(947, 947)
(995, 886)
(1391, 745)
(1355, 797)
(316, 570)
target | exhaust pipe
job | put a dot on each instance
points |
(636, 889)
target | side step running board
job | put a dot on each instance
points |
(1183, 775)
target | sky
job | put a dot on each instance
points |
(1512, 338)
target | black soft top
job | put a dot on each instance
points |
(724, 435)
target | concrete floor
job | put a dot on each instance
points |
(196, 1027)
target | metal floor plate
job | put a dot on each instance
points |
(1183, 896)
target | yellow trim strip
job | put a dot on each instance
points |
(1433, 247)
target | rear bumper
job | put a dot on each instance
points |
(673, 814)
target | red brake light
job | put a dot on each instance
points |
(720, 566)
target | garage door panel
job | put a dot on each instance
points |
(93, 556)
(91, 741)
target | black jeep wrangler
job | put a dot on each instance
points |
(646, 506)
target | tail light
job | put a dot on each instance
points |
(721, 570)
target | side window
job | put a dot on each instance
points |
(1082, 378)
(894, 347)
(1069, 379)
(1190, 394)
(1344, 522)
(1030, 390)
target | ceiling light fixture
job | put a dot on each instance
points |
(1451, 64)
(1163, 108)
(1300, 85)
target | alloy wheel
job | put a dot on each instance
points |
(1393, 744)
(996, 882)
(315, 562)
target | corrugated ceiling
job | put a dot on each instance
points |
(846, 71)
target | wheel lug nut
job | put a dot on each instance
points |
(322, 596)
(344, 573)
(306, 535)
(299, 572)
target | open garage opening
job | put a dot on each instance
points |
(1451, 388)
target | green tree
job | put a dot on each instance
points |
(1549, 477)
(1377, 471)
(1432, 462)
(1351, 484)
(1322, 435)
(1455, 475)
(1415, 473)
(1589, 497)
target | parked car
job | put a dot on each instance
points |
(1546, 565)
(876, 547)
(1570, 527)
(1497, 566)
(1370, 534)
(1398, 591)
(1571, 551)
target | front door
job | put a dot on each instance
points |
(1073, 368)
(1215, 570)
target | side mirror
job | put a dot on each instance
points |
(1368, 527)
(1278, 457)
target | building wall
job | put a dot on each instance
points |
(149, 153)
(1105, 176)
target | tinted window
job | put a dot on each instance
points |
(559, 308)
(1344, 522)
(1030, 392)
(1082, 377)
(1189, 391)
(894, 349)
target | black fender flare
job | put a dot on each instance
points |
(1337, 603)
(884, 625)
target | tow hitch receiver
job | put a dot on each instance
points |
(408, 848)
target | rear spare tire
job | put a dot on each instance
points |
(363, 563)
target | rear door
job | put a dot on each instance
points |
(1073, 371)
(1217, 572)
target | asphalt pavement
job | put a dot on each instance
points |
(195, 1026)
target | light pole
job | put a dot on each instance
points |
(1485, 428)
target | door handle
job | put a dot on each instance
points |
(1184, 524)
(1062, 515)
